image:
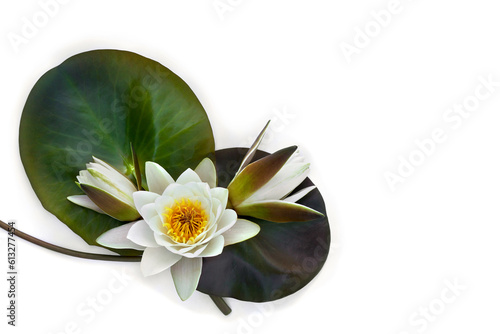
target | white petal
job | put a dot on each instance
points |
(155, 260)
(141, 198)
(205, 202)
(214, 248)
(114, 174)
(221, 194)
(148, 211)
(186, 274)
(192, 251)
(209, 233)
(85, 201)
(202, 237)
(117, 238)
(181, 249)
(188, 176)
(207, 173)
(188, 250)
(284, 182)
(199, 188)
(182, 192)
(157, 178)
(227, 220)
(164, 240)
(216, 208)
(156, 225)
(206, 235)
(211, 220)
(161, 204)
(121, 188)
(85, 178)
(141, 234)
(241, 231)
(119, 180)
(299, 194)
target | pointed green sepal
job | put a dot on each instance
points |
(257, 174)
(251, 151)
(111, 205)
(279, 211)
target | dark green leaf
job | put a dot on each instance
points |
(99, 103)
(279, 261)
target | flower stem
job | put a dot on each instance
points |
(67, 251)
(221, 304)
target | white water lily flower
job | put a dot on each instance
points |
(106, 191)
(260, 189)
(183, 221)
(293, 173)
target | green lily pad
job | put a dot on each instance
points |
(98, 103)
(279, 261)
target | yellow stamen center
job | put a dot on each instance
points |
(185, 220)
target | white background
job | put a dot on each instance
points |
(393, 251)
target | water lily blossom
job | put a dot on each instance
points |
(183, 221)
(261, 189)
(106, 191)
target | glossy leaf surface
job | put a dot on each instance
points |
(99, 103)
(279, 261)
